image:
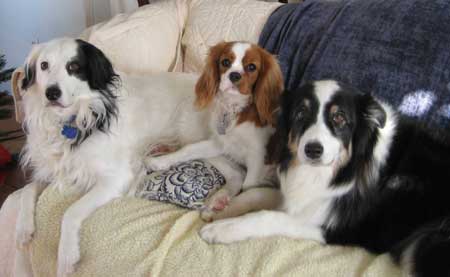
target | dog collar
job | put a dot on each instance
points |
(226, 114)
(224, 122)
(69, 130)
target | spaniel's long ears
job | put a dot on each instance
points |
(208, 83)
(268, 88)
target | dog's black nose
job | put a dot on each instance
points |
(235, 76)
(314, 150)
(53, 93)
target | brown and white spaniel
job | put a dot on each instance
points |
(240, 88)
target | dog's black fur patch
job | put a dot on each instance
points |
(95, 68)
(368, 115)
(406, 209)
(346, 107)
(294, 118)
(30, 75)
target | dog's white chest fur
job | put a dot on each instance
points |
(226, 108)
(307, 194)
(237, 140)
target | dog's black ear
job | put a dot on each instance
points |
(30, 75)
(277, 147)
(99, 73)
(30, 67)
(99, 70)
(373, 110)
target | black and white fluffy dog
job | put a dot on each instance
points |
(89, 128)
(354, 172)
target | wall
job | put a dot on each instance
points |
(25, 21)
(101, 10)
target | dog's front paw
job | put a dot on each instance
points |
(222, 231)
(162, 149)
(157, 163)
(24, 235)
(67, 261)
(215, 204)
(24, 229)
(68, 254)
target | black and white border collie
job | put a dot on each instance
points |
(355, 172)
(89, 127)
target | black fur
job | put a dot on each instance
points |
(30, 75)
(292, 107)
(95, 68)
(408, 206)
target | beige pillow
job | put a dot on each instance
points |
(212, 21)
(145, 41)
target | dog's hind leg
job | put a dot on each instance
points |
(426, 252)
(200, 150)
(256, 169)
(25, 219)
(219, 200)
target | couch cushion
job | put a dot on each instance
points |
(397, 50)
(212, 21)
(187, 184)
(144, 41)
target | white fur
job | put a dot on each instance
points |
(239, 49)
(307, 196)
(105, 164)
(244, 144)
(258, 225)
(306, 202)
(382, 147)
(319, 132)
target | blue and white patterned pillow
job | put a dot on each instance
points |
(186, 184)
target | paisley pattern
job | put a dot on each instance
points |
(186, 184)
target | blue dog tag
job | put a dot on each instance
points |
(69, 132)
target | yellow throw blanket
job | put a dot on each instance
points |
(135, 237)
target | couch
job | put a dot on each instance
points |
(136, 237)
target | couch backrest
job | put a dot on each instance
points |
(144, 41)
(212, 21)
(175, 35)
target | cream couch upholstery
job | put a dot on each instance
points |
(151, 39)
(145, 41)
(135, 237)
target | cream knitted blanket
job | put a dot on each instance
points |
(135, 237)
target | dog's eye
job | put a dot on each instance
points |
(226, 62)
(250, 67)
(301, 112)
(44, 65)
(73, 66)
(339, 119)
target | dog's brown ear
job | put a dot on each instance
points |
(268, 88)
(16, 87)
(208, 83)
